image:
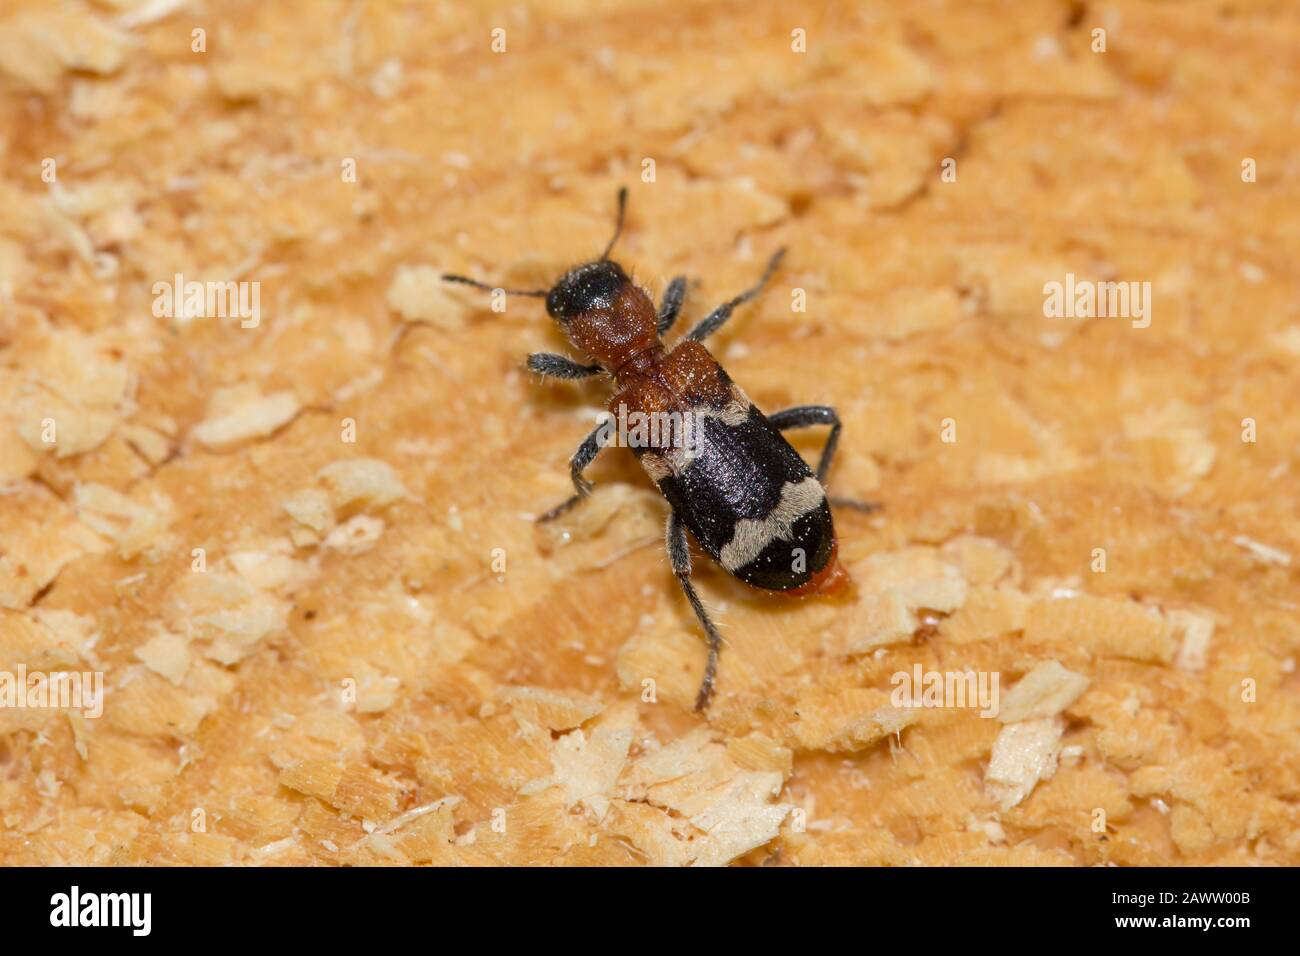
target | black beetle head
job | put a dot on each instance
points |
(594, 285)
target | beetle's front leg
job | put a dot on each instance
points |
(557, 366)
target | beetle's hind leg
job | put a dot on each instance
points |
(679, 553)
(583, 457)
(853, 504)
(802, 416)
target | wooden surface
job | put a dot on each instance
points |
(383, 660)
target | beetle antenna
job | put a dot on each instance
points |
(466, 280)
(618, 226)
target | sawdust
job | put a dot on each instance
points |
(298, 545)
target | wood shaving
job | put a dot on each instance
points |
(240, 413)
(1044, 692)
(303, 553)
(1023, 754)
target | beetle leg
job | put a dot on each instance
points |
(801, 416)
(866, 507)
(583, 457)
(679, 553)
(674, 295)
(713, 321)
(557, 366)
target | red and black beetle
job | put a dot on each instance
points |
(745, 494)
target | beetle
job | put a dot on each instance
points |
(746, 496)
